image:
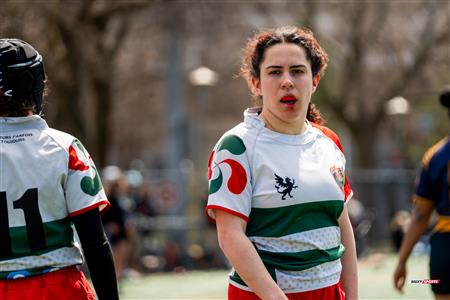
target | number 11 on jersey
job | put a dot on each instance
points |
(33, 220)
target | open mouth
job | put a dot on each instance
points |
(289, 99)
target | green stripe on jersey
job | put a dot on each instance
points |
(281, 221)
(236, 278)
(58, 234)
(299, 261)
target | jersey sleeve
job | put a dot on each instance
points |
(427, 185)
(425, 188)
(229, 179)
(84, 190)
(348, 192)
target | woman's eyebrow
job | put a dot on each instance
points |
(274, 67)
(297, 66)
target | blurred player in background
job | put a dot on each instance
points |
(118, 230)
(432, 194)
(277, 184)
(48, 183)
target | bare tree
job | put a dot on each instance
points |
(380, 50)
(91, 34)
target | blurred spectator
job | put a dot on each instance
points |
(360, 223)
(172, 256)
(145, 201)
(399, 225)
(114, 220)
(141, 202)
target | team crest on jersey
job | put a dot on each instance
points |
(286, 185)
(339, 176)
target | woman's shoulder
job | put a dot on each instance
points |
(238, 140)
(329, 134)
(242, 131)
(438, 154)
(62, 138)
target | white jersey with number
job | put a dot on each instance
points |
(290, 189)
(46, 177)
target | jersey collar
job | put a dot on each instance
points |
(18, 120)
(252, 118)
(34, 121)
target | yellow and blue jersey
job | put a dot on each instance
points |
(434, 181)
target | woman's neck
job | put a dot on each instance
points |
(275, 124)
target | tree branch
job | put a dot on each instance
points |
(421, 56)
(119, 8)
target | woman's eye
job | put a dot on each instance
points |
(298, 71)
(275, 72)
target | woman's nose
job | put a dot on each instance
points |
(287, 82)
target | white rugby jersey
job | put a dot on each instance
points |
(291, 190)
(46, 177)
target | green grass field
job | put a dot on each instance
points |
(375, 282)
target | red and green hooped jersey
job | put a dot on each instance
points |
(46, 176)
(291, 190)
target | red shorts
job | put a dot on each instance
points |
(68, 283)
(334, 292)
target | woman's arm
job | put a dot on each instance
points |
(97, 253)
(419, 223)
(243, 256)
(349, 276)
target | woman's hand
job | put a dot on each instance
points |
(243, 256)
(400, 276)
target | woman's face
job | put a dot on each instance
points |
(286, 84)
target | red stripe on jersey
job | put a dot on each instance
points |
(227, 210)
(74, 162)
(329, 133)
(95, 205)
(209, 164)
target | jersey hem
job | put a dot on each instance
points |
(103, 205)
(239, 286)
(246, 288)
(227, 210)
(423, 199)
(350, 196)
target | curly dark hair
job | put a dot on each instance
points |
(10, 108)
(255, 48)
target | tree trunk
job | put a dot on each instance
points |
(365, 141)
(103, 114)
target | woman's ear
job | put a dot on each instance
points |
(315, 82)
(255, 86)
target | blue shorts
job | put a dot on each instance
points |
(440, 262)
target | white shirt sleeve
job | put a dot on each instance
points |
(84, 190)
(230, 188)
